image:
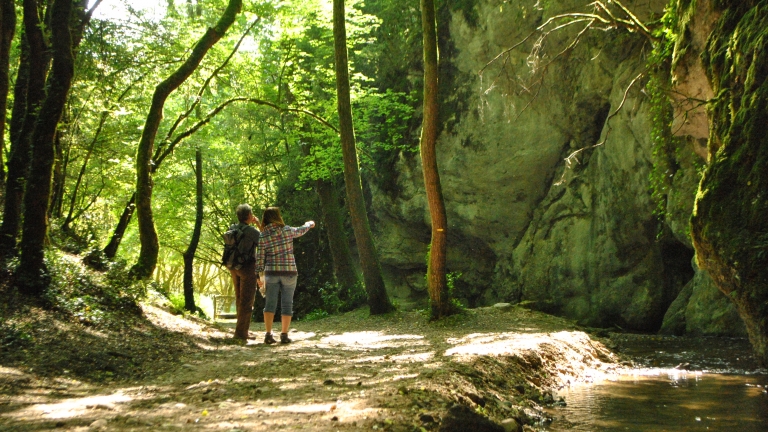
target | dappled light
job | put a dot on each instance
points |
(76, 407)
(388, 215)
(349, 372)
(508, 343)
(333, 373)
(371, 340)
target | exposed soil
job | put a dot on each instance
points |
(480, 370)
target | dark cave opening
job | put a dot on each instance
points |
(678, 270)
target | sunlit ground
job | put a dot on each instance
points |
(324, 380)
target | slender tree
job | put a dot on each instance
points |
(436, 280)
(7, 30)
(147, 260)
(374, 282)
(189, 254)
(31, 272)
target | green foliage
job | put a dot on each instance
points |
(664, 144)
(382, 122)
(450, 281)
(381, 127)
(316, 315)
(330, 298)
(251, 153)
(88, 296)
(468, 9)
(177, 303)
(13, 336)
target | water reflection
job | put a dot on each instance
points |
(679, 384)
(666, 402)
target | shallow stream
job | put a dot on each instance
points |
(676, 384)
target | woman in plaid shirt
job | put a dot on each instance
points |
(275, 259)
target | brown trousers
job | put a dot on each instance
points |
(245, 293)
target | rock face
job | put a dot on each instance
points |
(577, 239)
(729, 223)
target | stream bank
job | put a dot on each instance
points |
(493, 368)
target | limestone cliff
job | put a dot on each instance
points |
(578, 240)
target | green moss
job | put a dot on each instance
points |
(676, 23)
(729, 226)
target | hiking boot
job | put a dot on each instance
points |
(284, 338)
(268, 339)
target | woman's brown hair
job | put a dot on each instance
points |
(272, 216)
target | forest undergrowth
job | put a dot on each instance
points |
(105, 361)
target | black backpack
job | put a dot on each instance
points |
(237, 252)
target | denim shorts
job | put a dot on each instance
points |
(285, 285)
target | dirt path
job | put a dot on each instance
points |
(348, 372)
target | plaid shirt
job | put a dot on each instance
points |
(275, 252)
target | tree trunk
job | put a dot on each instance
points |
(7, 30)
(110, 250)
(29, 92)
(729, 226)
(81, 175)
(32, 272)
(436, 282)
(343, 267)
(189, 254)
(147, 260)
(374, 282)
(59, 178)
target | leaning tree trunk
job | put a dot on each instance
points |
(729, 226)
(147, 260)
(189, 254)
(110, 250)
(374, 282)
(32, 272)
(7, 30)
(28, 95)
(437, 285)
(343, 267)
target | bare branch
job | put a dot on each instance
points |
(616, 111)
(572, 158)
(601, 14)
(637, 22)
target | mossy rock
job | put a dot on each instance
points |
(729, 223)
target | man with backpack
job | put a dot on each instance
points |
(240, 245)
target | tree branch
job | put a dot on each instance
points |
(210, 115)
(200, 92)
(573, 157)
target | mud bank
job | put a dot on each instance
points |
(486, 369)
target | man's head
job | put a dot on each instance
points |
(243, 213)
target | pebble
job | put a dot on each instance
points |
(510, 425)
